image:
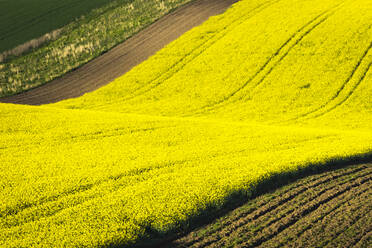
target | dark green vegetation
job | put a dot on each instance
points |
(23, 20)
(332, 209)
(79, 42)
(123, 163)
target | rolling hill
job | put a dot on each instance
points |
(264, 92)
(43, 40)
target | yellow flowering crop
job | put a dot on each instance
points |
(265, 89)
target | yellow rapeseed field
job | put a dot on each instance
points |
(269, 88)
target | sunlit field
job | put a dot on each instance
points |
(267, 89)
(41, 40)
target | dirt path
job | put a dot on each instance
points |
(125, 56)
(332, 209)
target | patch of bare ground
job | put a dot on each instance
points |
(119, 60)
(331, 209)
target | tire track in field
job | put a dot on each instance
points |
(178, 66)
(122, 54)
(268, 207)
(274, 59)
(323, 215)
(322, 197)
(353, 224)
(274, 230)
(111, 133)
(287, 218)
(234, 227)
(359, 239)
(337, 98)
(193, 54)
(7, 215)
(328, 214)
(119, 60)
(158, 30)
(95, 135)
(54, 199)
(85, 187)
(363, 242)
(15, 210)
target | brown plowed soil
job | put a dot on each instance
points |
(123, 57)
(332, 209)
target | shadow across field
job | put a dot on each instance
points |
(156, 238)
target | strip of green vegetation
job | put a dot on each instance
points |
(123, 163)
(23, 20)
(80, 42)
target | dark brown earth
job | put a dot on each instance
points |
(332, 209)
(123, 57)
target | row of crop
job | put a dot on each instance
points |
(264, 221)
(113, 177)
(80, 42)
(269, 75)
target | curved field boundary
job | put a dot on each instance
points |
(273, 60)
(125, 56)
(193, 54)
(331, 209)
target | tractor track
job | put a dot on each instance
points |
(331, 209)
(119, 60)
(337, 98)
(280, 54)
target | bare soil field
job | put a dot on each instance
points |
(332, 209)
(125, 56)
(165, 159)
